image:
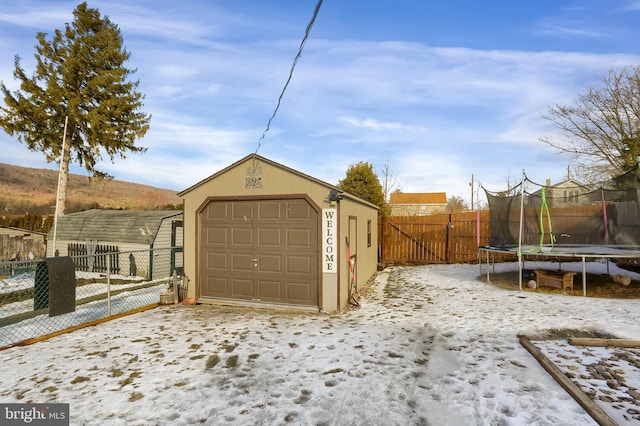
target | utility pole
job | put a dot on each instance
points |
(471, 185)
(56, 214)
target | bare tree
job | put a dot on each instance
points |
(513, 187)
(602, 130)
(456, 204)
(389, 180)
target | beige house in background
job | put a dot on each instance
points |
(568, 193)
(417, 203)
(260, 233)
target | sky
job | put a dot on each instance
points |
(440, 93)
(429, 345)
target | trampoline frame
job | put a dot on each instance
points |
(582, 252)
(556, 251)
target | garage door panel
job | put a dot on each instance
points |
(299, 209)
(241, 262)
(242, 211)
(298, 265)
(270, 291)
(217, 261)
(299, 238)
(270, 210)
(260, 250)
(216, 236)
(242, 237)
(242, 288)
(298, 291)
(269, 263)
(269, 237)
(217, 286)
(217, 211)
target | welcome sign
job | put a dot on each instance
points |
(329, 241)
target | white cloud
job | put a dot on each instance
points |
(173, 71)
(371, 124)
(632, 6)
(40, 19)
(555, 30)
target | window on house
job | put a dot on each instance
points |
(368, 233)
(570, 196)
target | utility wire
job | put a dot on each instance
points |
(293, 66)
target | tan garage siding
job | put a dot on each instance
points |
(284, 213)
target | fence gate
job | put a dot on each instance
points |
(443, 238)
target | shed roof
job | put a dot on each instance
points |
(14, 230)
(126, 226)
(418, 198)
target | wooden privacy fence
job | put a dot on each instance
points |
(18, 247)
(443, 238)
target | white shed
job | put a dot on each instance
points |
(93, 231)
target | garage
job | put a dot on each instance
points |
(260, 250)
(260, 234)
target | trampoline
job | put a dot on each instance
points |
(568, 220)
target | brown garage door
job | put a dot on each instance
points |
(260, 250)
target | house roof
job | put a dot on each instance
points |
(565, 184)
(126, 226)
(571, 183)
(257, 157)
(19, 230)
(418, 198)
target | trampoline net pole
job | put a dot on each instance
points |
(521, 228)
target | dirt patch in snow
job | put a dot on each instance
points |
(597, 285)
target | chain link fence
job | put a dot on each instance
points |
(43, 296)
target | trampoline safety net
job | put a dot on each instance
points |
(567, 214)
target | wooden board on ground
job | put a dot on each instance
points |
(594, 410)
(590, 341)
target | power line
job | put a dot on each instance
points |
(293, 66)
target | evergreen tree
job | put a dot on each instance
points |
(363, 182)
(79, 76)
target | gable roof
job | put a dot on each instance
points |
(571, 183)
(256, 157)
(126, 226)
(565, 184)
(418, 198)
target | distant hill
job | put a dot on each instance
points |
(27, 190)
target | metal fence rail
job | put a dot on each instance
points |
(44, 296)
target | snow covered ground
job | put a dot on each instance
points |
(430, 345)
(111, 300)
